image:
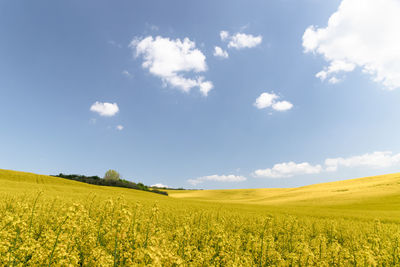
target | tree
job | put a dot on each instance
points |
(111, 175)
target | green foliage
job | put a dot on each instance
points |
(95, 180)
(112, 175)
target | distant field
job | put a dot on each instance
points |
(370, 197)
(52, 221)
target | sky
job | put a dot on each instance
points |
(201, 94)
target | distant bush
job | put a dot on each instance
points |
(96, 180)
(112, 175)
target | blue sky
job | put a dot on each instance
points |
(87, 86)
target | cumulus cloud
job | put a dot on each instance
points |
(219, 52)
(160, 185)
(361, 33)
(335, 67)
(375, 160)
(240, 40)
(282, 105)
(120, 127)
(170, 60)
(105, 109)
(266, 100)
(288, 169)
(217, 178)
(204, 86)
(224, 35)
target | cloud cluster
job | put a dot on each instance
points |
(105, 109)
(288, 169)
(219, 52)
(361, 33)
(240, 40)
(378, 159)
(266, 100)
(217, 178)
(171, 59)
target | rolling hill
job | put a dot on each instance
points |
(376, 196)
(370, 197)
(53, 221)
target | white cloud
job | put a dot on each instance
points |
(171, 59)
(241, 40)
(219, 52)
(282, 105)
(288, 169)
(375, 160)
(105, 109)
(120, 127)
(160, 185)
(217, 178)
(205, 86)
(363, 33)
(378, 159)
(266, 100)
(127, 74)
(335, 67)
(224, 35)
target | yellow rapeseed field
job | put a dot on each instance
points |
(51, 221)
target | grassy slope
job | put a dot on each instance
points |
(371, 197)
(14, 183)
(365, 198)
(78, 223)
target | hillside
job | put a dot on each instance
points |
(365, 197)
(53, 221)
(370, 197)
(17, 183)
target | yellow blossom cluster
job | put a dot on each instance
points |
(40, 229)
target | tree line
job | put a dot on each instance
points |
(111, 178)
